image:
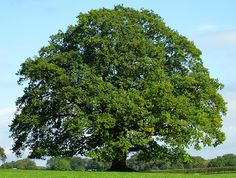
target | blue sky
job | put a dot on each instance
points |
(27, 24)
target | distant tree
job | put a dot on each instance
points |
(77, 163)
(216, 162)
(3, 156)
(223, 161)
(8, 165)
(229, 160)
(59, 164)
(196, 162)
(138, 164)
(118, 81)
(103, 165)
(91, 164)
(20, 164)
(25, 164)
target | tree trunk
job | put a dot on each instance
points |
(120, 165)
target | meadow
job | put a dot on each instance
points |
(11, 173)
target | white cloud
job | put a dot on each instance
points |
(5, 66)
(218, 53)
(206, 27)
(229, 124)
(7, 111)
(224, 39)
(6, 114)
(229, 95)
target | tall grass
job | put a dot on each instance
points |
(10, 173)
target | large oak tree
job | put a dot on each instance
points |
(118, 81)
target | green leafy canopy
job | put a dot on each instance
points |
(118, 81)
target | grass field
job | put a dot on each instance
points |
(10, 173)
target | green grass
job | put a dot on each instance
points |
(11, 173)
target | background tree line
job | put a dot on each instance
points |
(20, 164)
(226, 160)
(77, 163)
(134, 162)
(87, 164)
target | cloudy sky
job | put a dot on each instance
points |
(27, 24)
